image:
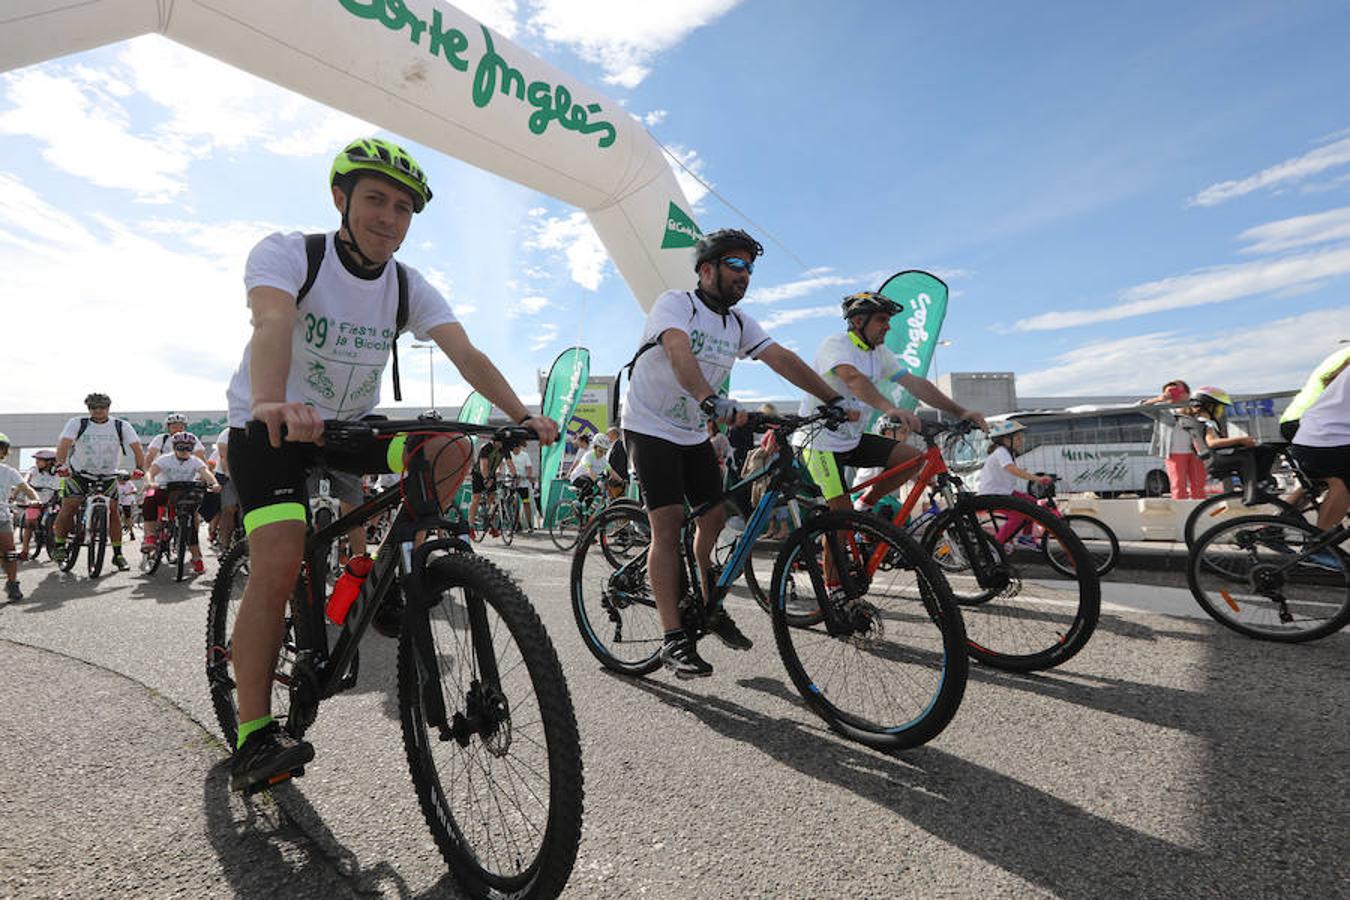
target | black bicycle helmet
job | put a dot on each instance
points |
(714, 244)
(869, 302)
(96, 399)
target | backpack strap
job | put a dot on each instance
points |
(84, 426)
(315, 246)
(400, 320)
(117, 424)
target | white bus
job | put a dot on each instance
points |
(1106, 451)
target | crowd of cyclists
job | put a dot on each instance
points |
(294, 375)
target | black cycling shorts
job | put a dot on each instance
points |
(1324, 462)
(672, 473)
(826, 467)
(271, 480)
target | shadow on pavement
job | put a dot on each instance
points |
(1027, 832)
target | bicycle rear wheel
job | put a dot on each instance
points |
(507, 513)
(221, 613)
(887, 665)
(1239, 573)
(1217, 509)
(1019, 616)
(611, 595)
(504, 799)
(1098, 539)
(97, 539)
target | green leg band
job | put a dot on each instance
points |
(821, 465)
(248, 728)
(276, 512)
(394, 456)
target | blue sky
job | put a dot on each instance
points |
(1116, 196)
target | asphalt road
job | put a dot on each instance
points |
(1170, 758)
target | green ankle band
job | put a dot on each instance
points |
(248, 728)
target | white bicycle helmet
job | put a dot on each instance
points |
(1004, 428)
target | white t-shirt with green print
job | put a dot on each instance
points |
(654, 403)
(344, 330)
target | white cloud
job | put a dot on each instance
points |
(1313, 162)
(688, 166)
(789, 316)
(622, 36)
(1277, 355)
(1203, 287)
(499, 15)
(1300, 231)
(84, 130)
(529, 306)
(547, 334)
(580, 245)
(653, 118)
(437, 279)
(119, 288)
(816, 279)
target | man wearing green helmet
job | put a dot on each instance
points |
(326, 310)
(854, 363)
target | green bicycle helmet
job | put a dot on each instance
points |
(380, 157)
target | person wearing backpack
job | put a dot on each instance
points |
(91, 448)
(326, 311)
(689, 343)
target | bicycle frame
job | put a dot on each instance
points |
(324, 671)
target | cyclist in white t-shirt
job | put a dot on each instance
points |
(853, 364)
(90, 449)
(1000, 475)
(1322, 447)
(520, 456)
(10, 481)
(689, 343)
(320, 354)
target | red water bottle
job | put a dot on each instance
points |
(347, 587)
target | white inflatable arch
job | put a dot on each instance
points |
(425, 70)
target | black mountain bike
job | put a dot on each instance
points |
(878, 653)
(488, 724)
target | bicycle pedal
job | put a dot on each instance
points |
(275, 780)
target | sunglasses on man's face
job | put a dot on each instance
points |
(736, 264)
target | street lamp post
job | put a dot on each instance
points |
(942, 343)
(431, 367)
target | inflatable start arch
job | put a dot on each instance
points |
(426, 70)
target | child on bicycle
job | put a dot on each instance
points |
(1001, 475)
(43, 479)
(182, 465)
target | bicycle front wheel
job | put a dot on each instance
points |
(887, 664)
(221, 613)
(611, 595)
(180, 548)
(1019, 616)
(1246, 574)
(504, 799)
(98, 541)
(1098, 539)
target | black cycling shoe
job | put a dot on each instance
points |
(722, 625)
(269, 756)
(12, 591)
(681, 657)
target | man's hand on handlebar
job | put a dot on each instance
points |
(303, 424)
(545, 428)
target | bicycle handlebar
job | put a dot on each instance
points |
(337, 432)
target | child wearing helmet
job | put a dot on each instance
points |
(1206, 419)
(43, 479)
(1001, 475)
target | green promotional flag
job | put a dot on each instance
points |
(914, 333)
(476, 410)
(562, 392)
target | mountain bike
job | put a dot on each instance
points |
(879, 655)
(488, 723)
(177, 518)
(90, 524)
(508, 508)
(571, 516)
(1273, 578)
(1016, 618)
